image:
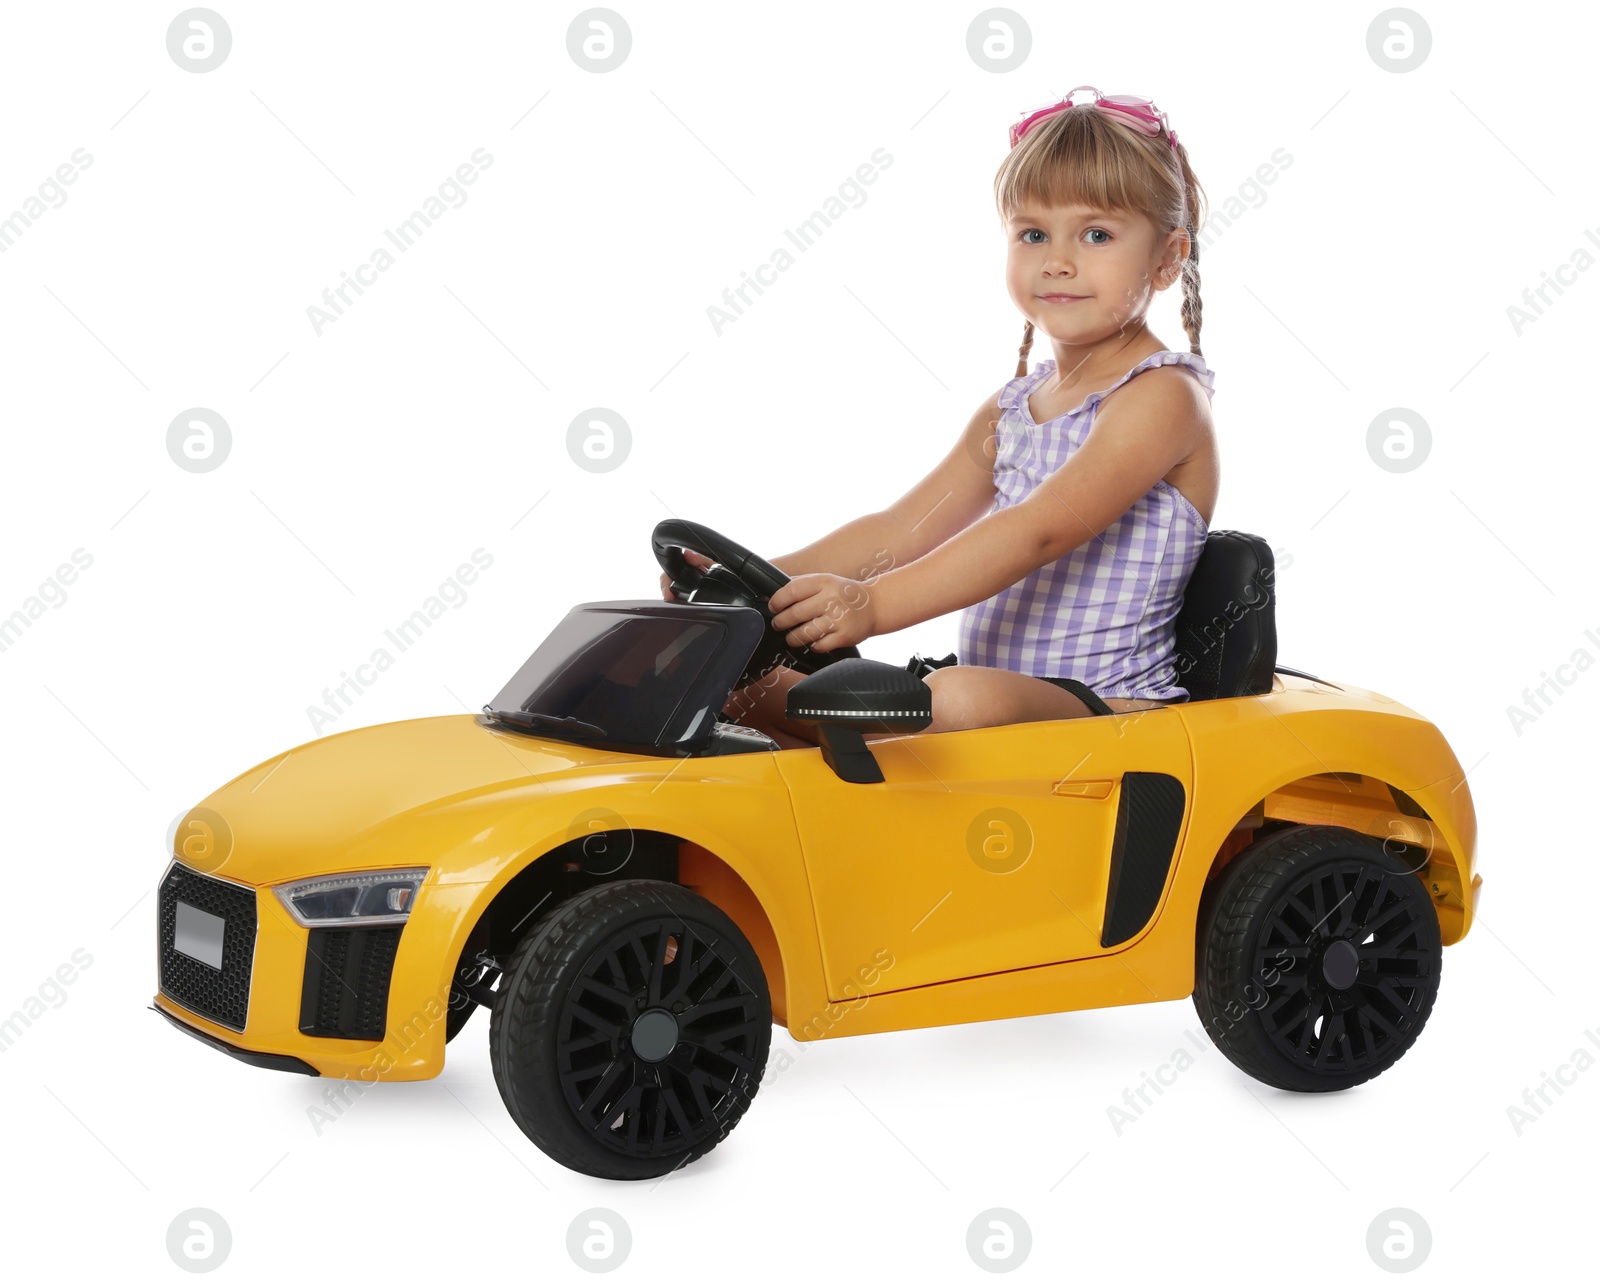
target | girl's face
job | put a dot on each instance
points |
(1082, 275)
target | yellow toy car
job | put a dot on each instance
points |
(637, 887)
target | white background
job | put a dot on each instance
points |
(429, 419)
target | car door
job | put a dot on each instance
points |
(983, 850)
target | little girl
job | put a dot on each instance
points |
(1065, 522)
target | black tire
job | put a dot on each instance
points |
(631, 1030)
(1279, 993)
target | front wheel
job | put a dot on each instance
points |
(631, 1030)
(1317, 959)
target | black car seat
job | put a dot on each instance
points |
(1227, 637)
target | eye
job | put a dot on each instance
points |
(1102, 232)
(1028, 232)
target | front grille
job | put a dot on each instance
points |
(345, 992)
(219, 995)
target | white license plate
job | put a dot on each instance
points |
(199, 935)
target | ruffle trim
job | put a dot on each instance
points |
(1021, 387)
(1014, 396)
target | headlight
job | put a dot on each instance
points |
(363, 899)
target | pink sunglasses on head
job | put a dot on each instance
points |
(1140, 113)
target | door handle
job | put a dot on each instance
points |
(1083, 788)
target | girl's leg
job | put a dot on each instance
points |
(761, 705)
(964, 697)
(967, 696)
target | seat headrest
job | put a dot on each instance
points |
(1227, 639)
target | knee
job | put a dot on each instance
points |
(951, 701)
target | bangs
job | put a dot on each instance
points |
(1079, 157)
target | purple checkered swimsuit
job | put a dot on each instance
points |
(1104, 613)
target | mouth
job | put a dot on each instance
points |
(1062, 298)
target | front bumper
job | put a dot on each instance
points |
(260, 1059)
(278, 1002)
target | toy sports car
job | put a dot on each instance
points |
(638, 887)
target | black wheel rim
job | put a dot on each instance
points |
(652, 1107)
(1325, 1012)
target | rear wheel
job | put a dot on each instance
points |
(631, 1030)
(1318, 958)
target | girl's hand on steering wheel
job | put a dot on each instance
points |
(823, 611)
(694, 559)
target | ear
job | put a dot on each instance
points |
(1172, 261)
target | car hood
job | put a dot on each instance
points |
(382, 796)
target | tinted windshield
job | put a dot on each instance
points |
(626, 678)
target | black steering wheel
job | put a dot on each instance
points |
(739, 578)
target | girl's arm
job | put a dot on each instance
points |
(951, 497)
(850, 551)
(1153, 424)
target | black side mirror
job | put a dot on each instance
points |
(856, 695)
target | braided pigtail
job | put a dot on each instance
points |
(1193, 195)
(1022, 352)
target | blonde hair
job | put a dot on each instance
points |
(1083, 156)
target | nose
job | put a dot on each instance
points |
(1058, 264)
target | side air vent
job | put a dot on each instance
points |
(1149, 818)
